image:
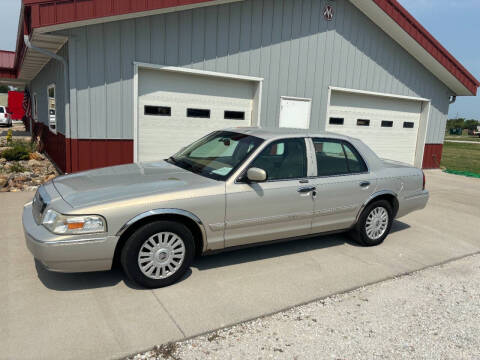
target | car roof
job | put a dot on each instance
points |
(275, 133)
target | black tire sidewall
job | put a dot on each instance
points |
(361, 226)
(129, 255)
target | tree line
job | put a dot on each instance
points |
(462, 123)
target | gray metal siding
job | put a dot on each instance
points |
(287, 42)
(52, 73)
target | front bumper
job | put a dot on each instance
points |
(67, 253)
(412, 203)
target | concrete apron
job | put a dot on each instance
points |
(99, 315)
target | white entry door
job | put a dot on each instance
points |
(295, 112)
(388, 125)
(176, 109)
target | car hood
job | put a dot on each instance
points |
(123, 182)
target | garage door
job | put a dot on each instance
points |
(176, 109)
(388, 125)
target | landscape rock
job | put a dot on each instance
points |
(33, 172)
(37, 156)
(34, 163)
(50, 177)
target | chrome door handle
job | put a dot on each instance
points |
(306, 189)
(365, 184)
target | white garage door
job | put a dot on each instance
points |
(388, 125)
(175, 109)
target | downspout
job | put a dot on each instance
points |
(64, 62)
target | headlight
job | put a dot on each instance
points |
(75, 224)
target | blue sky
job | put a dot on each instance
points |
(455, 23)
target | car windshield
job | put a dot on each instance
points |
(216, 155)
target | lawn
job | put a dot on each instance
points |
(461, 157)
(462, 138)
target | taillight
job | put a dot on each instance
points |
(423, 186)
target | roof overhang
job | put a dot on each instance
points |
(34, 61)
(66, 15)
(392, 18)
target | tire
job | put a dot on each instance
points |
(370, 230)
(165, 245)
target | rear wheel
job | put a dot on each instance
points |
(158, 253)
(374, 223)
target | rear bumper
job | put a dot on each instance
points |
(412, 203)
(67, 253)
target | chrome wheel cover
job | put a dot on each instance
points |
(161, 255)
(377, 223)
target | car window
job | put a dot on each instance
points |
(1, 110)
(217, 154)
(218, 148)
(283, 160)
(354, 160)
(335, 157)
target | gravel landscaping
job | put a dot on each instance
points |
(430, 314)
(30, 169)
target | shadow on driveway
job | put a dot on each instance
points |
(93, 280)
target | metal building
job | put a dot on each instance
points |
(118, 81)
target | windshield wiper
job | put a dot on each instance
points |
(171, 159)
(185, 165)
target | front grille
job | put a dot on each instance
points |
(38, 207)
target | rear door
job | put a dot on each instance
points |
(343, 184)
(279, 208)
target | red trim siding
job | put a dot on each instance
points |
(92, 153)
(408, 23)
(7, 59)
(54, 144)
(432, 156)
(51, 12)
(72, 155)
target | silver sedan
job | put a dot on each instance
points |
(232, 188)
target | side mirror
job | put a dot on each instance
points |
(256, 175)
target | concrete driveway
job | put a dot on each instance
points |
(100, 315)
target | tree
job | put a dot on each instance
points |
(455, 123)
(471, 124)
(4, 89)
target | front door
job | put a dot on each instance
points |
(343, 184)
(279, 208)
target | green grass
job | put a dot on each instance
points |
(461, 157)
(462, 138)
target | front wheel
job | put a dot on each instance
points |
(374, 223)
(158, 253)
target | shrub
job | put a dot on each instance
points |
(9, 136)
(16, 168)
(19, 151)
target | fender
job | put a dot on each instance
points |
(166, 211)
(373, 196)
